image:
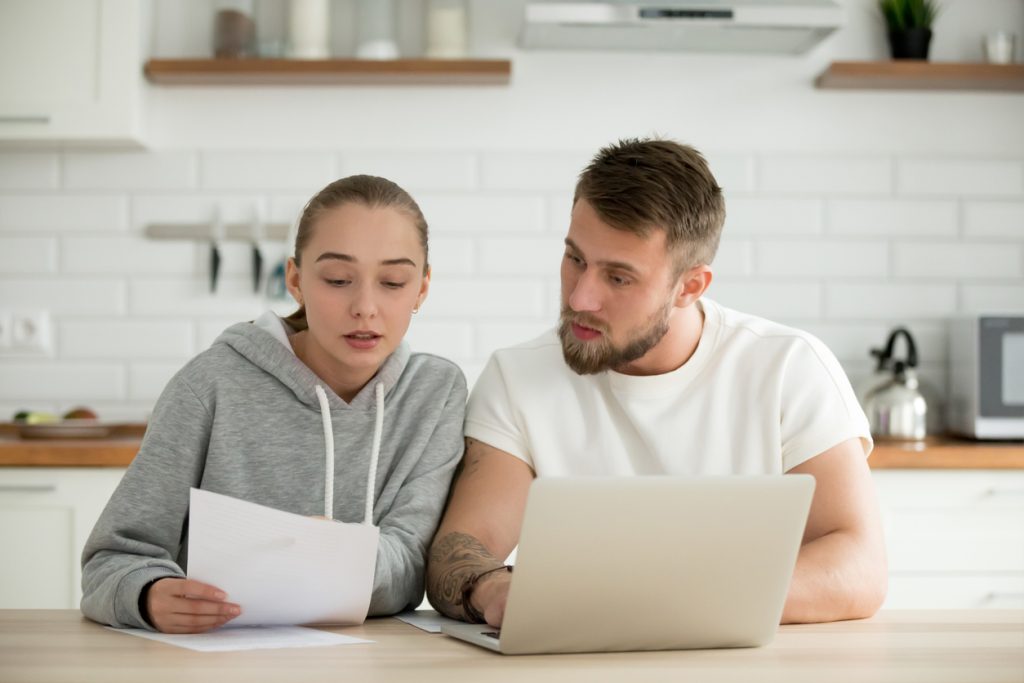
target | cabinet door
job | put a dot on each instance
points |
(46, 516)
(70, 70)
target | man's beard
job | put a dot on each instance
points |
(598, 355)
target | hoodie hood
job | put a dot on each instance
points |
(274, 355)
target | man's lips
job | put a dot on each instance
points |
(584, 333)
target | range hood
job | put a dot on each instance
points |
(739, 26)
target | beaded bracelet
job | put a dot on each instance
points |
(468, 611)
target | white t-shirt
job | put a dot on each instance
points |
(756, 397)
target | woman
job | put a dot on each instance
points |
(248, 418)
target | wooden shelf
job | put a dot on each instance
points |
(328, 71)
(937, 452)
(921, 75)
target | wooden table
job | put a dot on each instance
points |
(920, 646)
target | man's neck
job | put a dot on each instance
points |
(677, 346)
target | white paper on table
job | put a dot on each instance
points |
(246, 638)
(426, 619)
(281, 568)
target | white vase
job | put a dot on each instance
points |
(446, 29)
(308, 29)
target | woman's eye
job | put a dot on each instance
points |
(393, 285)
(338, 283)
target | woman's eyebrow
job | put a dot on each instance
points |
(333, 255)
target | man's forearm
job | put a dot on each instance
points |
(454, 559)
(836, 577)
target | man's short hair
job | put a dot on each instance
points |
(643, 185)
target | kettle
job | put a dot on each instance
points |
(895, 407)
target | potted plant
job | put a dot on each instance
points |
(910, 26)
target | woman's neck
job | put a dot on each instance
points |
(345, 382)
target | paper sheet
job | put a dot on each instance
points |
(426, 619)
(280, 567)
(247, 638)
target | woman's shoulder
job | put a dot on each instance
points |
(431, 368)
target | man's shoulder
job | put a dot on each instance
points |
(542, 348)
(743, 328)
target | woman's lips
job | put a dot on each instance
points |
(362, 340)
(584, 333)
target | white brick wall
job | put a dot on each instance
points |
(845, 246)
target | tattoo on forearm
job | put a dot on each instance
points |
(453, 559)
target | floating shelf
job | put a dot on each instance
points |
(922, 75)
(328, 71)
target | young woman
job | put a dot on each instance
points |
(248, 418)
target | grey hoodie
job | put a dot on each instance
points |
(243, 419)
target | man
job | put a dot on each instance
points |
(644, 376)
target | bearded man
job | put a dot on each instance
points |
(645, 375)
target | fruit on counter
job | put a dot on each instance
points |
(35, 417)
(81, 413)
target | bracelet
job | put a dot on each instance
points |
(469, 612)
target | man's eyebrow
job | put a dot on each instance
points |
(333, 255)
(621, 265)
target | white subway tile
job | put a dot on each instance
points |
(147, 380)
(191, 297)
(452, 256)
(823, 259)
(193, 208)
(66, 297)
(478, 297)
(56, 381)
(521, 256)
(960, 178)
(499, 335)
(281, 170)
(207, 331)
(532, 170)
(130, 170)
(446, 339)
(790, 300)
(126, 255)
(288, 208)
(854, 341)
(957, 260)
(735, 258)
(8, 409)
(483, 212)
(28, 170)
(63, 212)
(734, 173)
(891, 301)
(882, 217)
(994, 219)
(992, 299)
(20, 255)
(117, 339)
(749, 216)
(558, 213)
(118, 411)
(810, 175)
(414, 171)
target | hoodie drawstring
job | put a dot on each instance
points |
(371, 482)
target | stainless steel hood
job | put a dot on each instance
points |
(739, 26)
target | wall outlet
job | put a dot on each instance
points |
(25, 333)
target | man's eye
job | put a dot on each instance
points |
(574, 259)
(619, 281)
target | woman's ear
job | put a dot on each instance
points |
(291, 279)
(692, 285)
(424, 288)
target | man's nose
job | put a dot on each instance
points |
(584, 295)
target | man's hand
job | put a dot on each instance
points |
(479, 530)
(187, 606)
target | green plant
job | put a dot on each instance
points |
(903, 14)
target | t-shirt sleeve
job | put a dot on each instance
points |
(491, 416)
(819, 409)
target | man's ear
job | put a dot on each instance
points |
(692, 284)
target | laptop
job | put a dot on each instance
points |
(610, 564)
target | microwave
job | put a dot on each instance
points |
(986, 377)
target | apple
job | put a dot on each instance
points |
(81, 413)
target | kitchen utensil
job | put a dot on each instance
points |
(895, 407)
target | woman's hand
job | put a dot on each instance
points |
(187, 606)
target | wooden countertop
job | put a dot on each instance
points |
(936, 646)
(121, 446)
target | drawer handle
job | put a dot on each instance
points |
(1000, 493)
(28, 488)
(25, 119)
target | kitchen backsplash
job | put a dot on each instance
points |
(845, 246)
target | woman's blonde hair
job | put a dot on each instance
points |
(370, 191)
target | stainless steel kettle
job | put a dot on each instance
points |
(895, 407)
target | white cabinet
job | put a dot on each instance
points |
(955, 537)
(46, 516)
(71, 70)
